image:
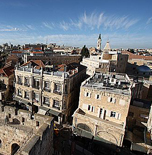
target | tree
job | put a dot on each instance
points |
(131, 50)
(85, 52)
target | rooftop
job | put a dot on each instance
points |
(116, 83)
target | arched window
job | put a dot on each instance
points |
(14, 148)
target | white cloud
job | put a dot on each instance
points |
(30, 27)
(96, 21)
(65, 26)
(149, 20)
(48, 25)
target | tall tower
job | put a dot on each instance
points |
(99, 43)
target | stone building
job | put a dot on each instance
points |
(138, 135)
(111, 61)
(24, 134)
(52, 90)
(55, 58)
(103, 108)
(6, 72)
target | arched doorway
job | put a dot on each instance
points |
(107, 136)
(84, 127)
(14, 148)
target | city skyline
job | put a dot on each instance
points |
(125, 24)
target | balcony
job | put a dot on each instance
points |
(35, 100)
(36, 86)
(46, 104)
(26, 84)
(19, 82)
(27, 97)
(19, 94)
(57, 92)
(47, 89)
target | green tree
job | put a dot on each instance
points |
(85, 51)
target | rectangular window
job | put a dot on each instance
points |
(87, 94)
(56, 104)
(36, 97)
(91, 108)
(100, 113)
(46, 101)
(47, 86)
(112, 100)
(57, 88)
(27, 95)
(19, 80)
(26, 82)
(36, 83)
(113, 114)
(19, 93)
(97, 96)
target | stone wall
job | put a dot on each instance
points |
(22, 133)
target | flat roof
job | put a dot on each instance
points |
(115, 83)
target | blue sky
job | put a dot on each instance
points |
(125, 23)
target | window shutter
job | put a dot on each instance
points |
(109, 99)
(116, 116)
(119, 116)
(113, 100)
(96, 96)
(85, 94)
(92, 109)
(108, 112)
(98, 112)
(89, 95)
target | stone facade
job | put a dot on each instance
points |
(111, 61)
(24, 134)
(103, 108)
(55, 92)
(55, 59)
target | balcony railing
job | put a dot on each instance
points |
(47, 89)
(19, 82)
(26, 84)
(35, 86)
(27, 97)
(56, 107)
(57, 92)
(46, 103)
(35, 100)
(20, 95)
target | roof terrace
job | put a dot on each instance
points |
(116, 83)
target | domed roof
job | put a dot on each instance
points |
(143, 68)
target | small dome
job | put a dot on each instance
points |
(143, 68)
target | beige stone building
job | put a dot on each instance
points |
(103, 108)
(108, 61)
(24, 134)
(6, 72)
(49, 90)
(138, 135)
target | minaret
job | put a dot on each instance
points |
(99, 43)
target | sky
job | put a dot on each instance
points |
(125, 23)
